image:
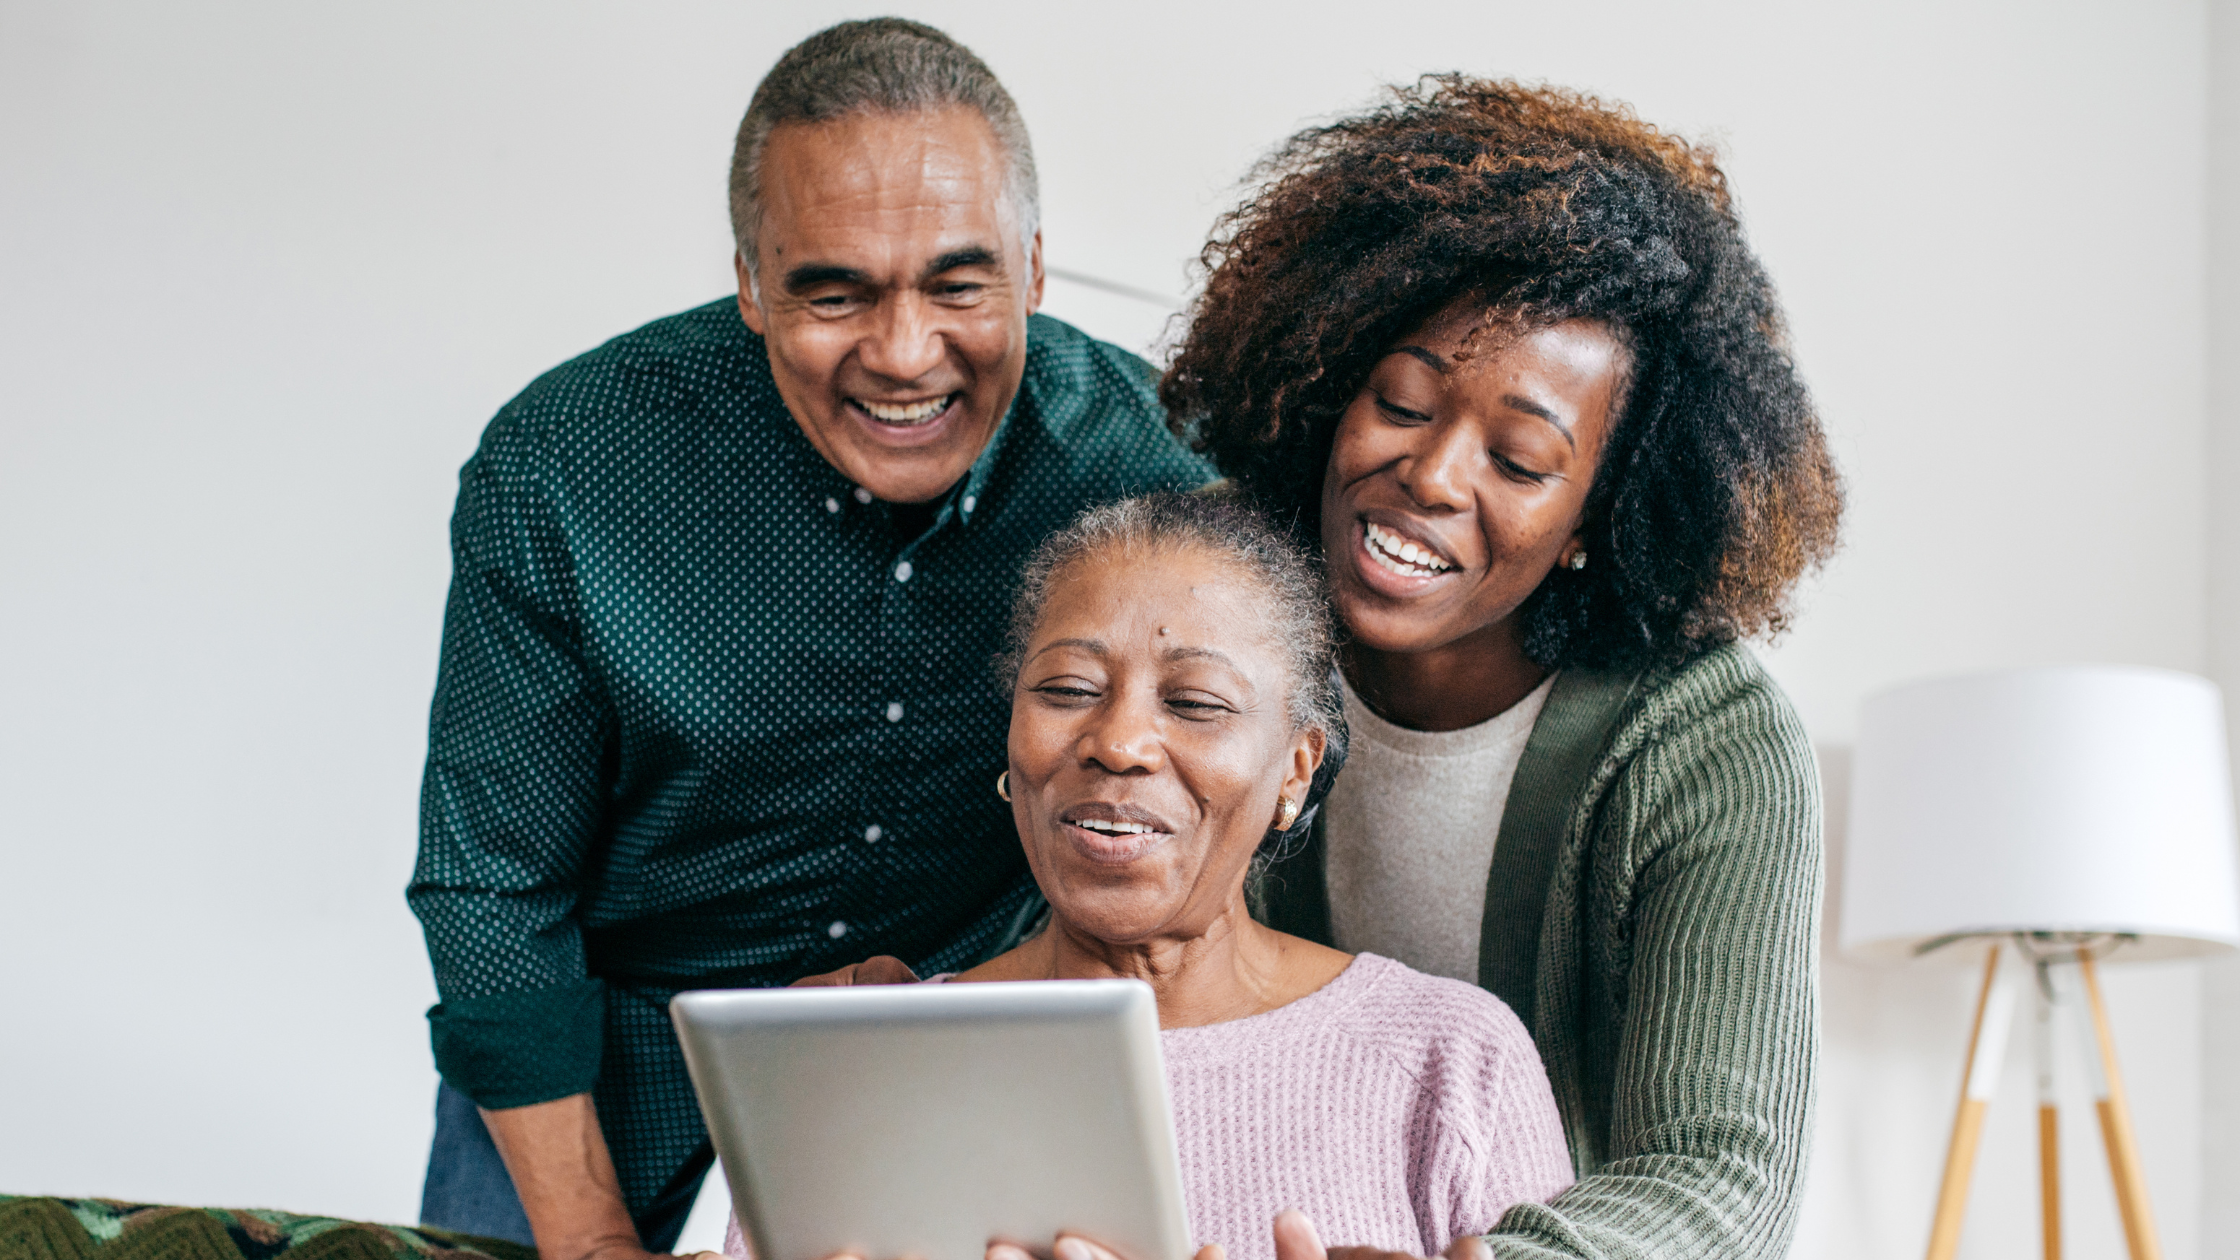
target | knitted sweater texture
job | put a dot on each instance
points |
(1397, 1110)
(1651, 914)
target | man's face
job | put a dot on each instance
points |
(894, 292)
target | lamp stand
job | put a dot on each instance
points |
(1987, 1048)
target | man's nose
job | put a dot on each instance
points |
(906, 343)
(1439, 473)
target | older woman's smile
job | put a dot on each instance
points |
(1114, 833)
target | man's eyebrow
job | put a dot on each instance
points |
(969, 256)
(810, 275)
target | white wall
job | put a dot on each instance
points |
(266, 269)
(2220, 1220)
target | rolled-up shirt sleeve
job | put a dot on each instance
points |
(520, 742)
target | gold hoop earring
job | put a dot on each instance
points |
(1287, 815)
(1003, 785)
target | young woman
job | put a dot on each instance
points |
(1503, 355)
(1171, 707)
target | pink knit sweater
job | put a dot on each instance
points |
(1398, 1110)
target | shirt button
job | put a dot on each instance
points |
(969, 501)
(832, 505)
(837, 930)
(894, 711)
(872, 833)
(903, 571)
(862, 495)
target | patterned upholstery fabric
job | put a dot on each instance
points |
(106, 1229)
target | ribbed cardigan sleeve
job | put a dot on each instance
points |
(1677, 980)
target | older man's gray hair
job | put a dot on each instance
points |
(884, 65)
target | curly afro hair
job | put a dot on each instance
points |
(1714, 492)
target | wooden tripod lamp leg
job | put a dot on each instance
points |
(1987, 1051)
(2115, 1128)
(2049, 1118)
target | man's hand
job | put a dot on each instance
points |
(1297, 1239)
(884, 969)
(561, 1169)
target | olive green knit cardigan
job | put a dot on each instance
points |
(1652, 915)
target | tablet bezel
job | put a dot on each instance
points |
(1082, 1055)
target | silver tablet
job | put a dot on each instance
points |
(928, 1119)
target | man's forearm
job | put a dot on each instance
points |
(561, 1169)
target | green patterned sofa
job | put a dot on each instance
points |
(104, 1229)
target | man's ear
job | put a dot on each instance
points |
(750, 301)
(1034, 273)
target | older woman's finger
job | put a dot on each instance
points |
(1211, 1251)
(1008, 1251)
(881, 969)
(1075, 1247)
(1296, 1237)
(1469, 1247)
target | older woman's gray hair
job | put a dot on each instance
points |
(1292, 597)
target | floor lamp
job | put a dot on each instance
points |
(2071, 816)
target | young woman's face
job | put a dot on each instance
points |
(1455, 485)
(1151, 742)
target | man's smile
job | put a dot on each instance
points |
(908, 414)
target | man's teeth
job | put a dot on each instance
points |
(1400, 555)
(1112, 828)
(906, 413)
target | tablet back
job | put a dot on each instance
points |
(925, 1120)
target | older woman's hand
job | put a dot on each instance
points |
(1296, 1239)
(1076, 1247)
(881, 969)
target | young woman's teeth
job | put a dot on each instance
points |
(1401, 556)
(906, 413)
(1112, 828)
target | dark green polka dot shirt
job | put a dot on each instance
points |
(710, 714)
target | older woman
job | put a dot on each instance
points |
(1171, 706)
(1503, 354)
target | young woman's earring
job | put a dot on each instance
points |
(1003, 785)
(1287, 815)
(1578, 559)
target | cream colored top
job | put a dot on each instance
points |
(1411, 827)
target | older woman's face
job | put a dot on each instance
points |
(1455, 485)
(1151, 742)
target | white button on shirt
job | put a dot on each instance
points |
(862, 495)
(902, 571)
(894, 711)
(837, 930)
(872, 833)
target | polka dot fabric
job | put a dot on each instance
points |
(708, 714)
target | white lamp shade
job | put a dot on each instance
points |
(2072, 799)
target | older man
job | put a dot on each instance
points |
(715, 704)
